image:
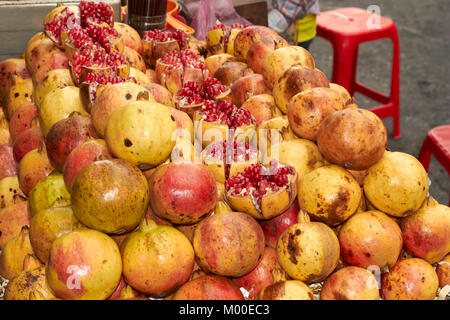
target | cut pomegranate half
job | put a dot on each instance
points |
(228, 158)
(157, 42)
(96, 12)
(263, 192)
(61, 22)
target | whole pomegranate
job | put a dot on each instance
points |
(247, 37)
(214, 62)
(329, 194)
(397, 184)
(29, 284)
(142, 133)
(157, 259)
(228, 244)
(208, 287)
(308, 251)
(260, 49)
(25, 117)
(9, 69)
(10, 191)
(350, 283)
(28, 140)
(183, 192)
(33, 167)
(110, 196)
(8, 166)
(66, 135)
(353, 138)
(294, 80)
(410, 279)
(276, 63)
(370, 238)
(443, 272)
(426, 233)
(81, 156)
(12, 219)
(84, 265)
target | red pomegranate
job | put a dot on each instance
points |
(67, 134)
(22, 119)
(27, 141)
(208, 287)
(247, 87)
(182, 192)
(81, 156)
(260, 49)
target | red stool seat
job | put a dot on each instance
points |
(346, 29)
(436, 143)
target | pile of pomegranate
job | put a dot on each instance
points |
(174, 168)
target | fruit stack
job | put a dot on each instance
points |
(172, 168)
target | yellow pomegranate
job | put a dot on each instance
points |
(142, 132)
(286, 290)
(329, 194)
(397, 184)
(53, 79)
(308, 251)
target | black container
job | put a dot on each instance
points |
(145, 15)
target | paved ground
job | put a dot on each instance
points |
(424, 30)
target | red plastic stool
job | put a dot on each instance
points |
(436, 143)
(346, 29)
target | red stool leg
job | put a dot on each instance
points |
(425, 153)
(395, 83)
(343, 60)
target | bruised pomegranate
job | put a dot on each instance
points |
(21, 92)
(8, 166)
(23, 119)
(266, 273)
(370, 238)
(93, 273)
(208, 287)
(29, 284)
(247, 37)
(134, 59)
(175, 196)
(410, 279)
(81, 156)
(27, 141)
(308, 251)
(175, 68)
(350, 283)
(9, 69)
(329, 194)
(274, 227)
(10, 191)
(227, 158)
(286, 290)
(110, 196)
(157, 259)
(247, 87)
(426, 233)
(66, 135)
(308, 109)
(223, 121)
(353, 138)
(228, 244)
(33, 167)
(294, 80)
(157, 42)
(262, 192)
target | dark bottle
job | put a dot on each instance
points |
(145, 15)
